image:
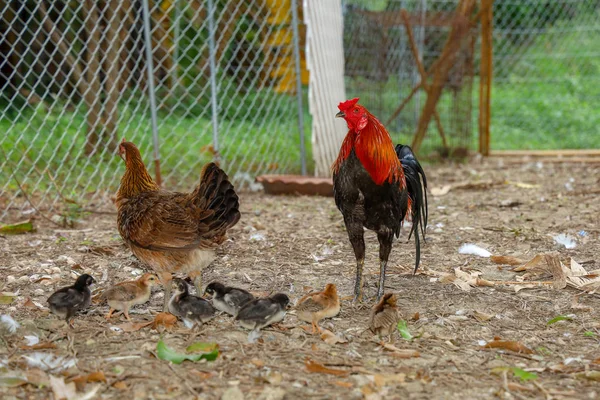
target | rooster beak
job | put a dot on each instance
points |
(340, 115)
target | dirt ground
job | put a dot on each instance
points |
(296, 244)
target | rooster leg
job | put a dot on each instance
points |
(356, 236)
(385, 247)
(166, 278)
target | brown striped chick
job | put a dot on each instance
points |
(124, 295)
(316, 306)
(384, 316)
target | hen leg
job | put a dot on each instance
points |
(166, 278)
(356, 236)
(197, 279)
(385, 247)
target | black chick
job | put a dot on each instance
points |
(191, 309)
(228, 299)
(259, 313)
(65, 302)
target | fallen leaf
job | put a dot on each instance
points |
(7, 297)
(165, 353)
(61, 389)
(589, 375)
(382, 380)
(120, 385)
(18, 228)
(508, 345)
(12, 379)
(133, 326)
(482, 317)
(517, 372)
(315, 367)
(523, 185)
(507, 260)
(403, 329)
(331, 338)
(202, 347)
(202, 374)
(400, 353)
(521, 388)
(29, 303)
(415, 317)
(37, 377)
(559, 318)
(39, 346)
(343, 384)
(257, 362)
(441, 191)
(81, 380)
(534, 263)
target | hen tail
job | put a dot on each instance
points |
(215, 193)
(416, 183)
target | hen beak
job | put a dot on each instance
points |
(341, 114)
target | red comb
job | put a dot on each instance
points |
(348, 104)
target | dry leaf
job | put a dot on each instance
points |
(400, 353)
(61, 389)
(441, 191)
(315, 367)
(508, 345)
(483, 282)
(39, 346)
(29, 303)
(532, 264)
(482, 317)
(121, 385)
(202, 374)
(37, 377)
(81, 380)
(415, 317)
(522, 388)
(257, 362)
(384, 379)
(507, 260)
(343, 384)
(331, 338)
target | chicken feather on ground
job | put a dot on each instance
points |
(316, 306)
(377, 186)
(174, 232)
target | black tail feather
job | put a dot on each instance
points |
(416, 184)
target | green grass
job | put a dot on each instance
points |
(42, 143)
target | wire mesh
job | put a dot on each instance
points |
(546, 66)
(382, 68)
(75, 80)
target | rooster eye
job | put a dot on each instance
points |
(356, 111)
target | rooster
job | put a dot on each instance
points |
(170, 231)
(376, 186)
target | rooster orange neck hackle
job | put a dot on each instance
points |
(136, 178)
(371, 143)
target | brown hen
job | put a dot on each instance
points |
(174, 232)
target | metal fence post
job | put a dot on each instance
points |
(298, 84)
(213, 77)
(151, 88)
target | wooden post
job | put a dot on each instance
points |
(485, 77)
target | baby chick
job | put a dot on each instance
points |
(384, 316)
(65, 302)
(126, 294)
(191, 309)
(258, 313)
(228, 299)
(316, 306)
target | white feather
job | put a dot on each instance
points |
(9, 323)
(469, 248)
(49, 362)
(566, 240)
(31, 340)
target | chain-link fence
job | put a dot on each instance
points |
(546, 68)
(546, 74)
(187, 81)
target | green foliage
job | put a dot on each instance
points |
(203, 351)
(403, 329)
